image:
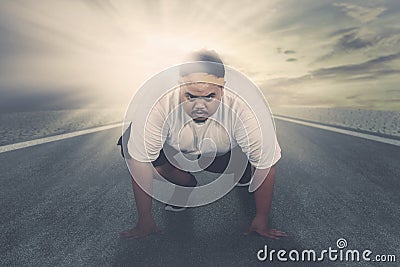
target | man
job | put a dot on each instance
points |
(180, 123)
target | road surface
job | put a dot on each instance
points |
(64, 203)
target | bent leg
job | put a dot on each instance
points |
(176, 176)
(179, 177)
(235, 162)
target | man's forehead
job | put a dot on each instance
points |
(200, 88)
(202, 78)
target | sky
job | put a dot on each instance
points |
(326, 53)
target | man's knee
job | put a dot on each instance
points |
(176, 176)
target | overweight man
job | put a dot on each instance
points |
(201, 109)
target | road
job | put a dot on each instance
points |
(64, 203)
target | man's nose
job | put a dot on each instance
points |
(199, 103)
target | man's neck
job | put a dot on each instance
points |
(200, 122)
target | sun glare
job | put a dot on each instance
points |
(108, 49)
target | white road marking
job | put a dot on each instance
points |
(343, 131)
(39, 141)
(58, 137)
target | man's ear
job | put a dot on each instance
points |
(222, 89)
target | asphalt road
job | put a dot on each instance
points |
(65, 203)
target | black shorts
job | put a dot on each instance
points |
(218, 165)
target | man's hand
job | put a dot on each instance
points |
(263, 199)
(142, 229)
(145, 225)
(259, 225)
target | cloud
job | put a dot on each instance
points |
(371, 69)
(119, 44)
(361, 13)
(288, 52)
(340, 32)
(361, 41)
(351, 40)
(280, 50)
(353, 96)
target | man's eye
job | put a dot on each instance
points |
(208, 97)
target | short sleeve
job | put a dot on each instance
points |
(256, 137)
(147, 135)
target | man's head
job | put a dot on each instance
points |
(202, 84)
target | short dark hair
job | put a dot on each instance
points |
(198, 61)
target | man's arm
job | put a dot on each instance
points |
(263, 200)
(143, 172)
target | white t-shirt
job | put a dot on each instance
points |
(234, 123)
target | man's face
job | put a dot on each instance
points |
(201, 95)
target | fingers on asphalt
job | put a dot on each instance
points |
(132, 234)
(273, 234)
(278, 233)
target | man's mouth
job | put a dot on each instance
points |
(199, 113)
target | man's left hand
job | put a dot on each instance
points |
(259, 225)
